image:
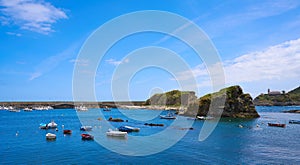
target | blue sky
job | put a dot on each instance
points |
(258, 43)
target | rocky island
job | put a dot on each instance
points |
(232, 101)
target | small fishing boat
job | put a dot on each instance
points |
(168, 116)
(86, 136)
(106, 109)
(128, 129)
(154, 124)
(276, 125)
(52, 124)
(205, 117)
(116, 133)
(67, 131)
(50, 136)
(86, 128)
(115, 119)
(43, 126)
(294, 121)
(14, 110)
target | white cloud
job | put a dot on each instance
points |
(115, 62)
(33, 15)
(274, 63)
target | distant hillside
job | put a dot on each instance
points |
(283, 99)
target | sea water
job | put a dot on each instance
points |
(232, 142)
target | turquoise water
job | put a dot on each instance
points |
(228, 144)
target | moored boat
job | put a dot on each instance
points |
(52, 124)
(106, 109)
(67, 131)
(43, 126)
(116, 133)
(128, 129)
(50, 136)
(81, 108)
(14, 110)
(86, 136)
(168, 116)
(294, 121)
(154, 124)
(27, 109)
(115, 119)
(205, 117)
(86, 128)
(276, 125)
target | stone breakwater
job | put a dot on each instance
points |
(70, 104)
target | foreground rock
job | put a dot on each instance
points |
(232, 101)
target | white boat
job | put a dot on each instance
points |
(134, 129)
(116, 133)
(81, 108)
(50, 136)
(168, 116)
(39, 108)
(49, 107)
(52, 124)
(86, 128)
(205, 117)
(106, 108)
(27, 109)
(14, 110)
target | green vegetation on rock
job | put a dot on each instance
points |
(172, 98)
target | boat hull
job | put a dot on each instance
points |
(50, 136)
(87, 137)
(116, 133)
(276, 125)
(167, 117)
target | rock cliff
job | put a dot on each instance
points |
(231, 100)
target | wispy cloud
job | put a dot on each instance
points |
(249, 13)
(53, 61)
(82, 62)
(116, 62)
(33, 15)
(14, 34)
(276, 62)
